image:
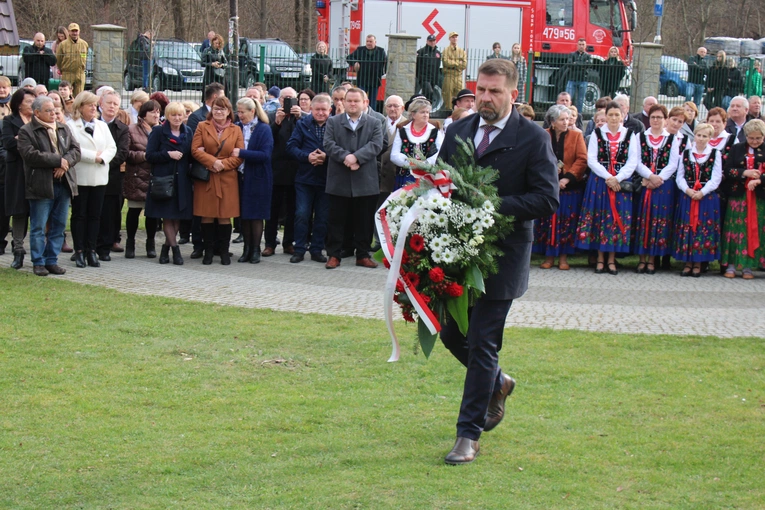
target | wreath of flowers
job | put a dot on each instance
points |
(451, 222)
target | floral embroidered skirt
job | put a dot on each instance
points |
(653, 228)
(704, 244)
(560, 240)
(734, 238)
(597, 229)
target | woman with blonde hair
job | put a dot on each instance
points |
(321, 68)
(691, 112)
(97, 148)
(214, 141)
(417, 138)
(189, 107)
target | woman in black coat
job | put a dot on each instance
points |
(735, 83)
(16, 205)
(215, 62)
(612, 72)
(321, 68)
(169, 152)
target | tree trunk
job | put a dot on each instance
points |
(178, 21)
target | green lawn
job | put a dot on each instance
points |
(110, 400)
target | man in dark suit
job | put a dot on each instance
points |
(112, 208)
(737, 110)
(352, 142)
(528, 187)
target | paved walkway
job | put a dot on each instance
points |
(575, 299)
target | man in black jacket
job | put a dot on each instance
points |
(579, 62)
(370, 63)
(697, 74)
(112, 208)
(50, 153)
(144, 50)
(528, 188)
(428, 68)
(38, 60)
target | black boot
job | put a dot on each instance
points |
(246, 254)
(177, 258)
(163, 254)
(151, 250)
(255, 255)
(92, 259)
(224, 238)
(79, 259)
(18, 260)
(208, 234)
(130, 249)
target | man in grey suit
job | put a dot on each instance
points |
(352, 141)
(528, 187)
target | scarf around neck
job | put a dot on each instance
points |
(220, 127)
(52, 131)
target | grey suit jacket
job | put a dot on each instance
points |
(365, 143)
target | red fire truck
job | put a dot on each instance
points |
(547, 30)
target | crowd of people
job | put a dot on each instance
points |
(659, 184)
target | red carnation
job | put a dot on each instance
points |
(404, 257)
(386, 263)
(413, 279)
(436, 275)
(399, 286)
(425, 298)
(407, 316)
(454, 289)
(417, 243)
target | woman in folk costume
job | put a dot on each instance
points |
(555, 235)
(656, 210)
(605, 222)
(744, 225)
(697, 220)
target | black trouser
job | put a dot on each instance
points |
(111, 223)
(281, 196)
(360, 210)
(86, 216)
(479, 352)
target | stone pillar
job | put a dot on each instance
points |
(646, 63)
(402, 65)
(108, 55)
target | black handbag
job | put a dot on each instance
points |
(198, 171)
(162, 188)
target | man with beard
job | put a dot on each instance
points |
(528, 188)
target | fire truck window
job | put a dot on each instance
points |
(560, 13)
(602, 12)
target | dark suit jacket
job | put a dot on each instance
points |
(527, 184)
(198, 116)
(730, 127)
(365, 143)
(121, 134)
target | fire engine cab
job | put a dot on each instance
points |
(546, 29)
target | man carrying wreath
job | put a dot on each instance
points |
(528, 186)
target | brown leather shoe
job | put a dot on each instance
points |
(496, 410)
(289, 250)
(464, 452)
(267, 252)
(117, 248)
(40, 271)
(367, 262)
(66, 248)
(55, 269)
(332, 263)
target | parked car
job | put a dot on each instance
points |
(23, 43)
(673, 76)
(175, 66)
(282, 66)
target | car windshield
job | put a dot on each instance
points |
(600, 14)
(176, 50)
(273, 50)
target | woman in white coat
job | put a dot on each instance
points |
(98, 148)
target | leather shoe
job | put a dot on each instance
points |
(66, 248)
(298, 257)
(104, 256)
(198, 253)
(18, 260)
(79, 259)
(239, 239)
(267, 252)
(289, 250)
(366, 262)
(318, 257)
(464, 452)
(55, 269)
(40, 271)
(496, 410)
(92, 259)
(117, 248)
(332, 263)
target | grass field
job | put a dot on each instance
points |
(120, 401)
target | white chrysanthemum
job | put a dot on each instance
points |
(422, 203)
(443, 202)
(488, 206)
(448, 256)
(428, 217)
(441, 221)
(436, 255)
(487, 221)
(477, 227)
(445, 239)
(470, 215)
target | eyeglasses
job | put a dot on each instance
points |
(220, 109)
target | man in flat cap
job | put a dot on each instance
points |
(428, 68)
(455, 63)
(71, 55)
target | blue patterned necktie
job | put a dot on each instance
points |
(485, 141)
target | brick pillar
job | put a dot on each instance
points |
(108, 55)
(646, 64)
(402, 62)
